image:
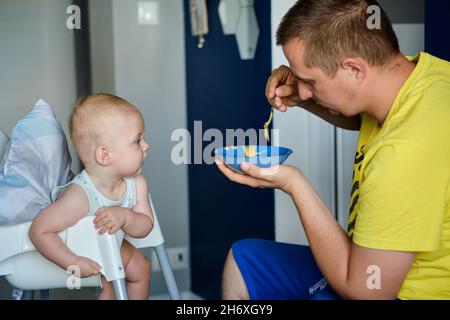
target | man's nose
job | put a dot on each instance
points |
(304, 92)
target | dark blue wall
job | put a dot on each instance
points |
(223, 92)
(437, 28)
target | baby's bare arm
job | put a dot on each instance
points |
(70, 207)
(140, 222)
(136, 222)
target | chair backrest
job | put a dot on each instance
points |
(4, 140)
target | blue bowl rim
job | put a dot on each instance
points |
(289, 151)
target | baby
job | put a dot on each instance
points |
(108, 133)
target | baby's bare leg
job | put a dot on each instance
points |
(137, 269)
(107, 290)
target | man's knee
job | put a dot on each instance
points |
(233, 283)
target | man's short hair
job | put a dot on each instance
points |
(334, 29)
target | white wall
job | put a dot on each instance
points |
(102, 46)
(37, 60)
(411, 37)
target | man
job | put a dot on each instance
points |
(398, 241)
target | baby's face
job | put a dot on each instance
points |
(129, 149)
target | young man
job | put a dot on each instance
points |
(398, 241)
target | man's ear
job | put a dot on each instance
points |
(102, 155)
(356, 67)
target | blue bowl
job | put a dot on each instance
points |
(261, 156)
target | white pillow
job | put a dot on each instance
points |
(35, 161)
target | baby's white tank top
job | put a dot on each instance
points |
(96, 199)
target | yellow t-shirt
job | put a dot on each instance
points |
(401, 183)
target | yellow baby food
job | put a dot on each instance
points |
(266, 126)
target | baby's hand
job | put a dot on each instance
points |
(87, 267)
(111, 219)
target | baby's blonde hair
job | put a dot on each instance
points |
(92, 122)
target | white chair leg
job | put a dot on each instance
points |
(113, 270)
(167, 272)
(120, 289)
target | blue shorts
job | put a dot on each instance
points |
(280, 271)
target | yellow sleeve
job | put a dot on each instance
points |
(402, 200)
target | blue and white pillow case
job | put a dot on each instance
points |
(35, 161)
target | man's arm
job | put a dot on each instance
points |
(346, 266)
(338, 120)
(350, 269)
(282, 92)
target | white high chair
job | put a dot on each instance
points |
(27, 270)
